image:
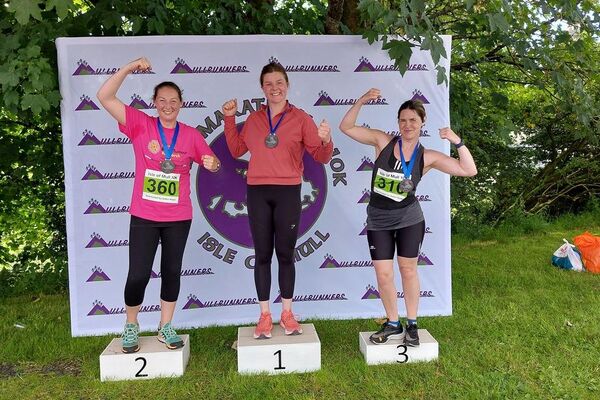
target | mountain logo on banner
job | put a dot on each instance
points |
(331, 263)
(83, 68)
(86, 104)
(371, 293)
(89, 139)
(92, 174)
(139, 103)
(306, 67)
(98, 309)
(366, 164)
(97, 241)
(98, 275)
(193, 302)
(364, 231)
(417, 95)
(222, 196)
(325, 100)
(315, 297)
(423, 259)
(96, 208)
(365, 198)
(186, 272)
(365, 66)
(181, 67)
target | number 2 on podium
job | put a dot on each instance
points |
(278, 354)
(139, 373)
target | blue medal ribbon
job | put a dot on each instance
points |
(271, 129)
(168, 150)
(407, 169)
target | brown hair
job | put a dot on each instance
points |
(168, 84)
(414, 105)
(273, 67)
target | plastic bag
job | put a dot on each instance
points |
(567, 257)
(589, 246)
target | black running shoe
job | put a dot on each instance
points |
(411, 338)
(386, 332)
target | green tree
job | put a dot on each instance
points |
(524, 93)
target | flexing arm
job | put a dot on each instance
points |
(107, 94)
(464, 166)
(362, 134)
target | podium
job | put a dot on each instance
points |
(153, 360)
(395, 351)
(280, 354)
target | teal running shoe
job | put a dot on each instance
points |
(169, 337)
(130, 338)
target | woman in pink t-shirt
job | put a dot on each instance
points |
(161, 208)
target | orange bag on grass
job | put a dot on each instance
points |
(589, 246)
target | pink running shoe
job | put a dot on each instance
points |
(289, 324)
(264, 326)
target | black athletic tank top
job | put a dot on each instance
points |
(391, 195)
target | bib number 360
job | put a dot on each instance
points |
(161, 187)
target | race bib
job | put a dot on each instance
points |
(161, 187)
(388, 184)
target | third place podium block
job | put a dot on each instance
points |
(279, 354)
(395, 351)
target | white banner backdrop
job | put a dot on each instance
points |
(334, 274)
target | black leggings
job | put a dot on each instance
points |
(274, 214)
(407, 240)
(143, 242)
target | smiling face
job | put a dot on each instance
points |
(275, 87)
(168, 103)
(410, 124)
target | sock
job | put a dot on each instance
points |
(411, 321)
(395, 324)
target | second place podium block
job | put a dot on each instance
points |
(280, 354)
(153, 360)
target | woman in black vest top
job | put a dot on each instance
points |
(394, 217)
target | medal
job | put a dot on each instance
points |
(167, 166)
(272, 140)
(407, 185)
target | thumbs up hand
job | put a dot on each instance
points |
(324, 132)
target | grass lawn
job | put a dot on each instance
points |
(521, 329)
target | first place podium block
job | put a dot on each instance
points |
(153, 360)
(280, 354)
(395, 351)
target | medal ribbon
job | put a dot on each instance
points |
(271, 129)
(168, 150)
(407, 170)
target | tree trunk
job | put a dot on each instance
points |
(335, 10)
